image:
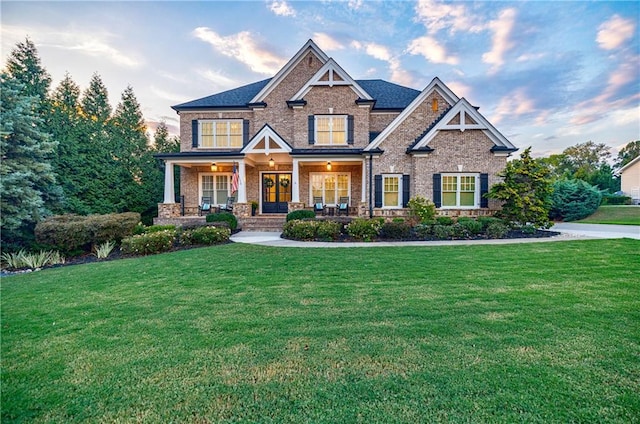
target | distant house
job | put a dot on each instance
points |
(314, 134)
(630, 180)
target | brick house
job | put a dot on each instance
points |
(313, 131)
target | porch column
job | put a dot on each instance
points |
(364, 181)
(169, 192)
(242, 183)
(295, 190)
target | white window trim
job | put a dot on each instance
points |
(332, 118)
(476, 196)
(215, 137)
(312, 174)
(399, 205)
(214, 174)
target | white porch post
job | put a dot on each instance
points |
(295, 193)
(242, 183)
(364, 180)
(169, 192)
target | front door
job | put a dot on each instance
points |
(276, 193)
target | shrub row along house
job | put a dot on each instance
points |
(312, 133)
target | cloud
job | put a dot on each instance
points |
(431, 50)
(437, 16)
(501, 40)
(219, 80)
(513, 105)
(163, 94)
(327, 42)
(383, 53)
(355, 4)
(244, 48)
(281, 8)
(614, 32)
(99, 48)
(528, 57)
(460, 89)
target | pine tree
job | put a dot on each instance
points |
(525, 192)
(139, 174)
(163, 142)
(23, 64)
(25, 169)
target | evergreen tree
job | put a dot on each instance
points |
(526, 192)
(66, 127)
(25, 169)
(627, 154)
(98, 174)
(141, 182)
(163, 142)
(23, 64)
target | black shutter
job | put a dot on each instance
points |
(484, 189)
(194, 133)
(377, 191)
(245, 132)
(405, 190)
(311, 129)
(437, 190)
(350, 129)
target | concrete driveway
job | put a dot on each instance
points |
(598, 230)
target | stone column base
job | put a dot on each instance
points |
(295, 206)
(168, 210)
(242, 210)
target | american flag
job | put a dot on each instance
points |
(234, 179)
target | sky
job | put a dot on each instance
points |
(547, 74)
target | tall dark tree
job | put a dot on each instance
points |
(95, 151)
(163, 142)
(23, 64)
(139, 175)
(25, 168)
(66, 127)
(627, 154)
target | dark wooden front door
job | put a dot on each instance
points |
(276, 193)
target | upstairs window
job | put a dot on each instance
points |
(220, 133)
(331, 130)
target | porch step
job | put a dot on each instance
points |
(271, 222)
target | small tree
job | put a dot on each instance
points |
(525, 191)
(574, 199)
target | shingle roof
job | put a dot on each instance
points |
(387, 95)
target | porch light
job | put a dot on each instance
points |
(214, 167)
(271, 163)
(328, 166)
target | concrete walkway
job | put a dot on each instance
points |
(568, 232)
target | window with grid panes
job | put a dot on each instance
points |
(220, 133)
(459, 190)
(331, 129)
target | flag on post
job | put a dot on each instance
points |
(234, 179)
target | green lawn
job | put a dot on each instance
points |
(541, 332)
(621, 215)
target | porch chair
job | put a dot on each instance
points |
(343, 206)
(318, 206)
(204, 206)
(228, 207)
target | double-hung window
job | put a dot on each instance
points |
(220, 133)
(331, 129)
(460, 190)
(216, 187)
(391, 191)
(330, 186)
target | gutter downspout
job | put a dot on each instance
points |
(370, 185)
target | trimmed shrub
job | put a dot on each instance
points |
(146, 244)
(299, 229)
(471, 226)
(73, 233)
(423, 231)
(443, 231)
(423, 209)
(227, 217)
(141, 229)
(300, 214)
(444, 220)
(205, 236)
(573, 200)
(364, 229)
(486, 220)
(395, 230)
(613, 199)
(497, 229)
(328, 230)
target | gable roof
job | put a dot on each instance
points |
(286, 69)
(628, 165)
(335, 76)
(476, 121)
(268, 134)
(434, 85)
